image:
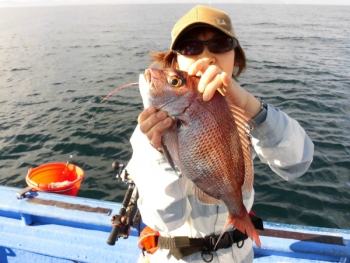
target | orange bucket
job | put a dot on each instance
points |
(60, 178)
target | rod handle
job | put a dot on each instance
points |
(113, 236)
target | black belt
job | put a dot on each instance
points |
(183, 246)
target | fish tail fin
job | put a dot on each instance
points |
(243, 224)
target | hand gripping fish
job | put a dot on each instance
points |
(207, 142)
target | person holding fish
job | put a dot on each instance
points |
(195, 142)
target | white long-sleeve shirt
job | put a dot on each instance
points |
(166, 200)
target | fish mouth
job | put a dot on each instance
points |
(144, 90)
(148, 76)
(151, 77)
(151, 80)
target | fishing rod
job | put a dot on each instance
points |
(128, 215)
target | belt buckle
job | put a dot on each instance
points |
(207, 251)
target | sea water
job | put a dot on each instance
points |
(58, 63)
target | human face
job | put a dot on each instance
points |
(225, 61)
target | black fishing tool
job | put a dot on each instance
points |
(128, 215)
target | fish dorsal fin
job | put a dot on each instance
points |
(204, 198)
(244, 124)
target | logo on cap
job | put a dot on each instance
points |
(220, 22)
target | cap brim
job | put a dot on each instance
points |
(194, 25)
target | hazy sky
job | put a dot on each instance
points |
(4, 3)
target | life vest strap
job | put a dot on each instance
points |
(182, 246)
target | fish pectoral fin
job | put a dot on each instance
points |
(170, 146)
(204, 198)
(168, 157)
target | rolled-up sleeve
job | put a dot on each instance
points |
(163, 201)
(283, 144)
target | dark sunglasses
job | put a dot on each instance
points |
(192, 47)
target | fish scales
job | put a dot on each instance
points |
(199, 155)
(204, 142)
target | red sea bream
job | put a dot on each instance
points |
(207, 142)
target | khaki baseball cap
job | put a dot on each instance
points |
(202, 15)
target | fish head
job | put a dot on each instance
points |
(168, 89)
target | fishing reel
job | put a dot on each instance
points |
(128, 215)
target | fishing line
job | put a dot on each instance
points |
(93, 115)
(110, 94)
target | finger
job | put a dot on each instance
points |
(147, 124)
(210, 75)
(156, 140)
(198, 68)
(145, 114)
(226, 79)
(155, 133)
(210, 89)
(226, 83)
(231, 87)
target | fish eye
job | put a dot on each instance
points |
(175, 81)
